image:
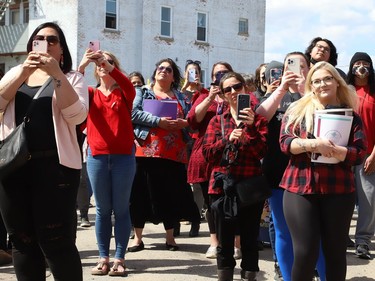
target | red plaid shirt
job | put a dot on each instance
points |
(250, 151)
(304, 177)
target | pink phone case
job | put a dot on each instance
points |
(94, 45)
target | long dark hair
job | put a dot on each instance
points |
(176, 72)
(332, 54)
(371, 77)
(66, 63)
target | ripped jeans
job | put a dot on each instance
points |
(38, 207)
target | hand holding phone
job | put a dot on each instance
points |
(40, 46)
(243, 101)
(94, 45)
(191, 75)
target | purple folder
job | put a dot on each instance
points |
(161, 108)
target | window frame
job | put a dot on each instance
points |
(163, 21)
(245, 23)
(205, 27)
(116, 15)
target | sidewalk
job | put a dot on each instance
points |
(187, 264)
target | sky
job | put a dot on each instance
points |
(292, 24)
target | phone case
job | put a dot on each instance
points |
(94, 45)
(294, 65)
(243, 101)
(40, 46)
(191, 76)
(276, 74)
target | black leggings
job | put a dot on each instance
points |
(38, 208)
(315, 218)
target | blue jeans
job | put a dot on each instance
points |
(111, 177)
(365, 191)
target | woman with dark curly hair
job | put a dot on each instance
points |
(160, 190)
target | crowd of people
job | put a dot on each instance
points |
(151, 151)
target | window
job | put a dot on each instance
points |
(202, 27)
(243, 26)
(166, 22)
(203, 77)
(15, 16)
(111, 14)
(26, 12)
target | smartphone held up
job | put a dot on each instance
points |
(243, 101)
(94, 45)
(40, 46)
(191, 75)
(294, 65)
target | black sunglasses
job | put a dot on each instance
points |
(51, 39)
(235, 87)
(167, 69)
(193, 62)
(111, 62)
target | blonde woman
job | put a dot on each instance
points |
(319, 198)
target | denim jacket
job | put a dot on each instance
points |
(143, 121)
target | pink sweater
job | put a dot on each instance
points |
(64, 120)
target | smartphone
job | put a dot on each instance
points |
(243, 101)
(191, 76)
(275, 74)
(94, 45)
(294, 65)
(218, 77)
(40, 46)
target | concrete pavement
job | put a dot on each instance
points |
(187, 264)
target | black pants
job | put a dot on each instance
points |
(315, 218)
(248, 223)
(161, 193)
(38, 207)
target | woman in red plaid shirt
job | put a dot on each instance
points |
(319, 201)
(248, 135)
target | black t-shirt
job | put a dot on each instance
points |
(275, 162)
(40, 129)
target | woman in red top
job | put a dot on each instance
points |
(319, 199)
(248, 135)
(111, 159)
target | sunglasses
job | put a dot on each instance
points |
(111, 62)
(51, 39)
(235, 87)
(193, 62)
(167, 69)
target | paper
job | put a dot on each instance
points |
(335, 127)
(161, 108)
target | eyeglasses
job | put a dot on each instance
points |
(235, 87)
(326, 80)
(167, 69)
(197, 62)
(51, 39)
(325, 49)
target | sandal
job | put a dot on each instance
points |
(101, 268)
(115, 269)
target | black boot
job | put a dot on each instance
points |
(194, 230)
(248, 275)
(225, 274)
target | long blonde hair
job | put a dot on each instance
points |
(301, 113)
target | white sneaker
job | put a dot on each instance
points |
(237, 253)
(211, 253)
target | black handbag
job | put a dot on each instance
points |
(14, 152)
(252, 190)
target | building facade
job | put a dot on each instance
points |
(141, 32)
